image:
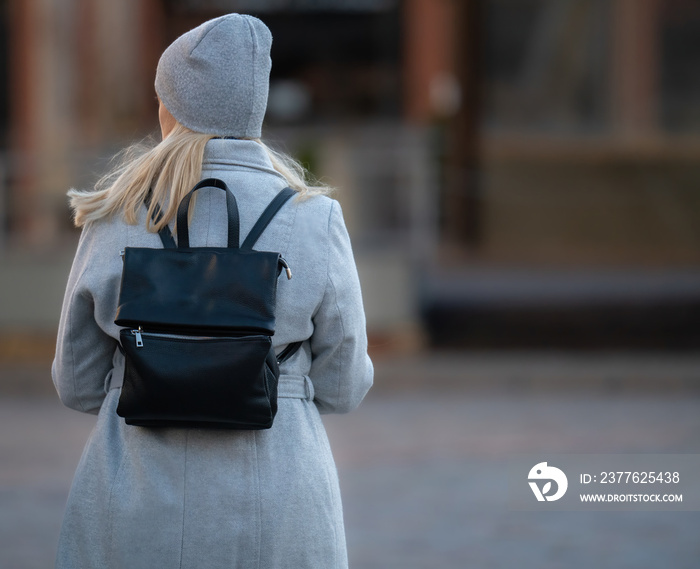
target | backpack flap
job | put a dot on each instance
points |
(214, 289)
(203, 288)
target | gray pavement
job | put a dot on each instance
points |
(422, 468)
(423, 476)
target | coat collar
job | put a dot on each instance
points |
(238, 153)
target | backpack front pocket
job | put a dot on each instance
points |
(174, 380)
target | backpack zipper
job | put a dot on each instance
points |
(139, 333)
(139, 338)
(284, 263)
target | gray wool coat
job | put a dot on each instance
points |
(189, 498)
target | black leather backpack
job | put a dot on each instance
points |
(198, 327)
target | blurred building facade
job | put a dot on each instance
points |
(485, 148)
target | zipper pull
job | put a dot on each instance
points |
(139, 338)
(286, 268)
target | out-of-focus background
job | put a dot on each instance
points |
(521, 180)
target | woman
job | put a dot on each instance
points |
(181, 498)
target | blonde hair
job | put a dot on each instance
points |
(168, 170)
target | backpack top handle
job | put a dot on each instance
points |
(183, 238)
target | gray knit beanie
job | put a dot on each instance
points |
(215, 78)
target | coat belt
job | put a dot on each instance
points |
(295, 387)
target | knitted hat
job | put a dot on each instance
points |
(215, 78)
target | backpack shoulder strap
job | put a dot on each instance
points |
(165, 234)
(288, 352)
(267, 215)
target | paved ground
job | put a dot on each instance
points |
(422, 476)
(422, 470)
